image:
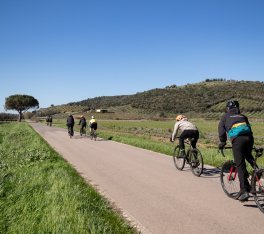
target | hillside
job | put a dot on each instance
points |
(206, 97)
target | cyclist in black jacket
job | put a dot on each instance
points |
(236, 126)
(82, 122)
(70, 124)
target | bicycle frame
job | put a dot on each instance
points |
(193, 157)
(232, 169)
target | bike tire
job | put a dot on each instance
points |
(196, 162)
(258, 185)
(91, 135)
(229, 180)
(179, 162)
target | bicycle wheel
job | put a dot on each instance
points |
(91, 134)
(196, 162)
(258, 184)
(229, 179)
(178, 160)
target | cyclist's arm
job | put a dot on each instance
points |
(175, 131)
(222, 130)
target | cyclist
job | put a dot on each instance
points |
(82, 123)
(49, 120)
(70, 124)
(236, 126)
(93, 124)
(188, 130)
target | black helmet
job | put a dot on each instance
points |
(232, 104)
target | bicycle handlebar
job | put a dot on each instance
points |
(222, 150)
(258, 151)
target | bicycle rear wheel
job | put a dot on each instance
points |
(258, 185)
(196, 163)
(229, 179)
(178, 160)
(93, 135)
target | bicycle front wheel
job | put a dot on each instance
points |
(258, 185)
(229, 179)
(178, 160)
(196, 164)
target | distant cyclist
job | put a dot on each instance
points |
(70, 125)
(49, 120)
(93, 124)
(236, 126)
(188, 130)
(82, 123)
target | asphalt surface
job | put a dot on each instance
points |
(150, 192)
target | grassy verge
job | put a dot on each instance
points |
(41, 193)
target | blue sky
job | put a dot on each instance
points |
(68, 50)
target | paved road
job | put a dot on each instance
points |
(147, 188)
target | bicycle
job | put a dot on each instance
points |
(70, 131)
(93, 134)
(230, 182)
(83, 131)
(193, 157)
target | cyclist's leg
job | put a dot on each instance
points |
(248, 151)
(182, 137)
(91, 132)
(82, 129)
(238, 146)
(71, 130)
(195, 136)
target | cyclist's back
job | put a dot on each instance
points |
(82, 121)
(188, 130)
(236, 126)
(93, 123)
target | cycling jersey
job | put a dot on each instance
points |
(93, 124)
(234, 124)
(182, 125)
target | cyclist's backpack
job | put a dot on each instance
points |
(239, 129)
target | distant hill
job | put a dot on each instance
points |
(208, 97)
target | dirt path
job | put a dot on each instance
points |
(151, 192)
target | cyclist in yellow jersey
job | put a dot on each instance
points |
(93, 124)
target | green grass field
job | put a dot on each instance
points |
(41, 193)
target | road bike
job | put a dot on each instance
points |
(230, 182)
(83, 131)
(193, 157)
(70, 131)
(93, 134)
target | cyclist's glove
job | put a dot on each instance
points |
(171, 139)
(221, 145)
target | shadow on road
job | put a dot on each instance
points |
(87, 137)
(211, 173)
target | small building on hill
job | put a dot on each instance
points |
(101, 110)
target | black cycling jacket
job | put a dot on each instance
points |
(70, 121)
(82, 121)
(230, 118)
